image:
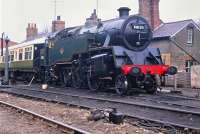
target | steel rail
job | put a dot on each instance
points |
(67, 128)
(181, 97)
(136, 110)
(168, 107)
(170, 103)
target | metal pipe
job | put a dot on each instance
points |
(2, 41)
(46, 65)
(6, 62)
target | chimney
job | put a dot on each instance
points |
(31, 30)
(58, 24)
(92, 20)
(149, 9)
(123, 12)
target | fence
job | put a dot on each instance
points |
(195, 76)
(183, 79)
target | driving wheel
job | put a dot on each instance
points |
(93, 82)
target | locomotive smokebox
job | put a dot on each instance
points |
(124, 12)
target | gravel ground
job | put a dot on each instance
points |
(70, 115)
(188, 92)
(12, 122)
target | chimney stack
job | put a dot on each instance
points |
(92, 20)
(31, 30)
(123, 11)
(58, 24)
(149, 9)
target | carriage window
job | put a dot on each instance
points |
(11, 57)
(1, 59)
(15, 55)
(28, 53)
(20, 54)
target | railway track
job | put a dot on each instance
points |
(63, 127)
(162, 111)
(174, 100)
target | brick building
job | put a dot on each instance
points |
(178, 41)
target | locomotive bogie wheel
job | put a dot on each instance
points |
(151, 88)
(66, 78)
(121, 84)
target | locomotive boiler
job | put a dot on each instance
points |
(112, 54)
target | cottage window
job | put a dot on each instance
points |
(188, 65)
(28, 53)
(189, 35)
(20, 54)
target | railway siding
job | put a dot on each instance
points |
(145, 111)
(73, 116)
(64, 127)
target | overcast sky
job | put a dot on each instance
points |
(16, 14)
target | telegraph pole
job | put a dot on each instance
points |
(55, 10)
(97, 6)
(55, 7)
(2, 41)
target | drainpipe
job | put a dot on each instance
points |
(46, 75)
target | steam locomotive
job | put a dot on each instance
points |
(108, 54)
(112, 54)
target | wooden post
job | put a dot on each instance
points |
(175, 82)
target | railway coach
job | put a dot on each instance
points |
(25, 59)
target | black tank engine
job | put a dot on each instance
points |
(107, 54)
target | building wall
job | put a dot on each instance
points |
(194, 48)
(177, 56)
